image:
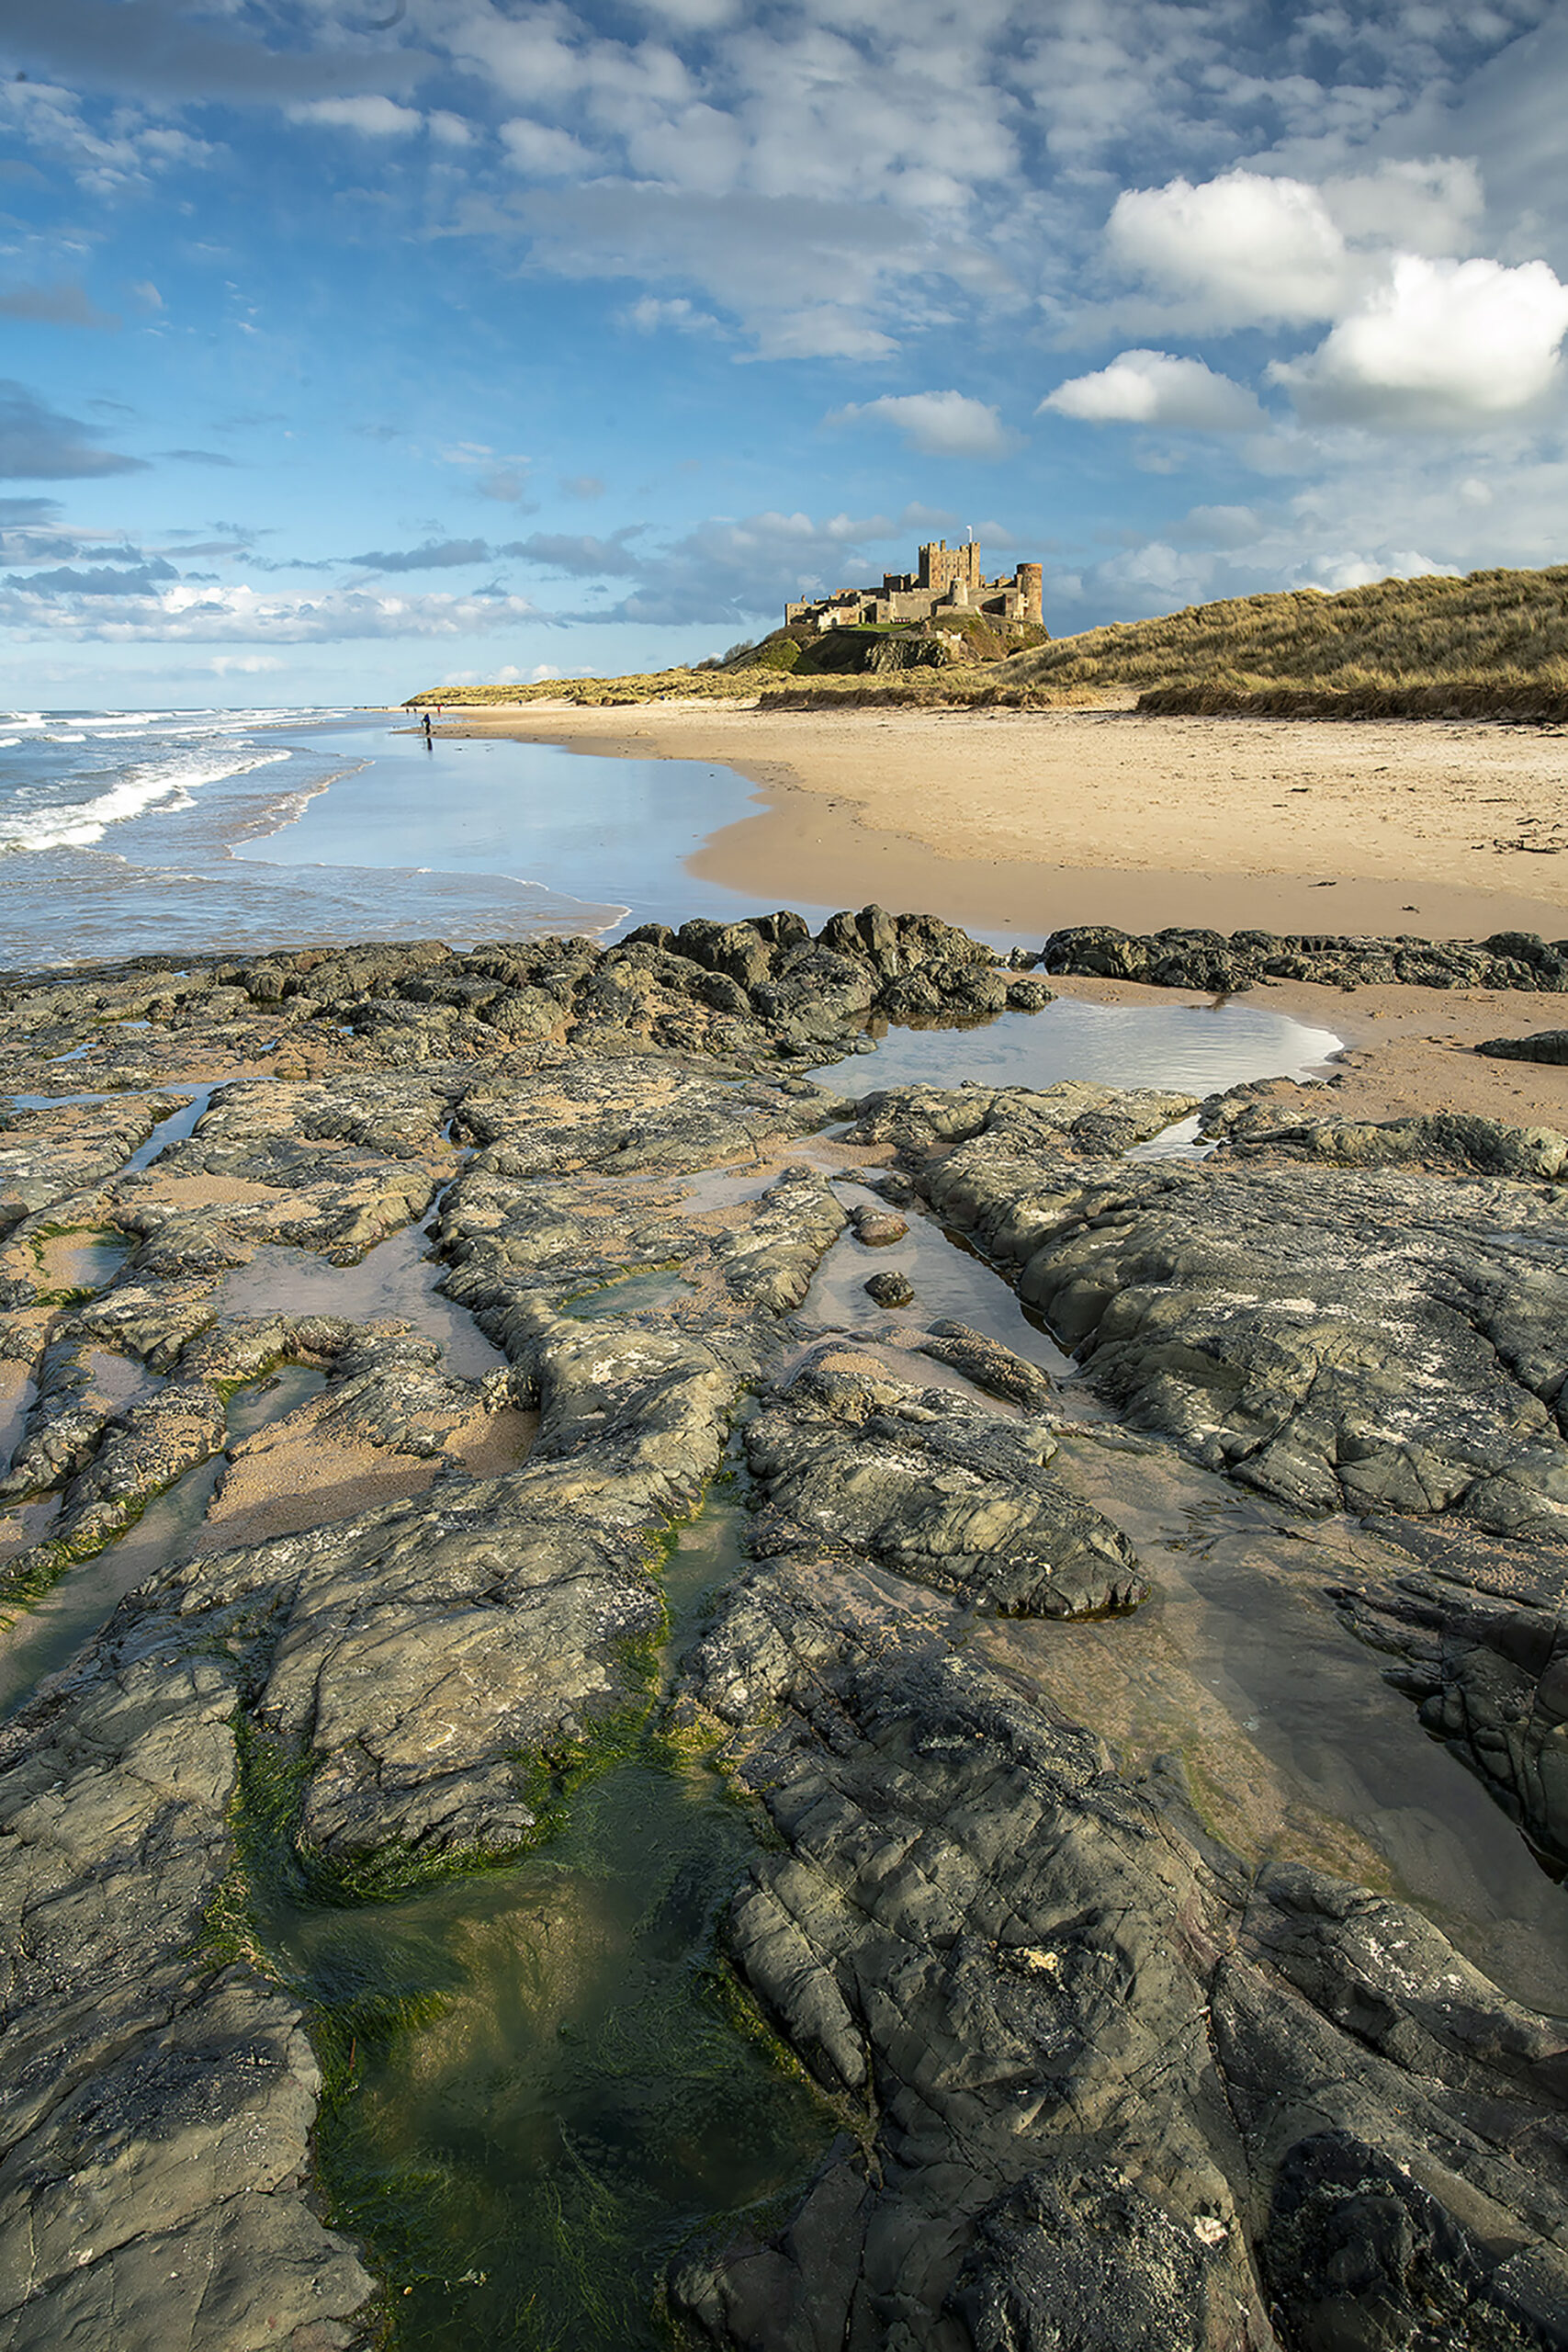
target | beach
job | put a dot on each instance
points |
(1022, 823)
(1028, 820)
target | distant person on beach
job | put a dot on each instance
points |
(425, 722)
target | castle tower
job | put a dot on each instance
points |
(1031, 581)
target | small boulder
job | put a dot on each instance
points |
(878, 1228)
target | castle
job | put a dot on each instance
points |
(949, 580)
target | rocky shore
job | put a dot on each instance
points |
(1094, 2065)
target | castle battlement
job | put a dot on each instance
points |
(949, 580)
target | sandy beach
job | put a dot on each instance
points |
(1025, 820)
(1020, 822)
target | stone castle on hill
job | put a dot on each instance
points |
(949, 581)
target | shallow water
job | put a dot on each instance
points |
(526, 2160)
(1292, 1736)
(397, 1277)
(38, 1641)
(589, 828)
(189, 833)
(1239, 1657)
(122, 835)
(948, 1279)
(654, 1291)
(90, 1264)
(1181, 1049)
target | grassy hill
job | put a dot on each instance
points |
(1492, 645)
(1493, 639)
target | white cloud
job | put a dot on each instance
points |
(1430, 207)
(1240, 249)
(449, 130)
(543, 152)
(756, 162)
(105, 163)
(821, 330)
(1439, 343)
(648, 316)
(1154, 388)
(189, 614)
(372, 117)
(939, 424)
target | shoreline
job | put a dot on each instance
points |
(824, 779)
(1019, 822)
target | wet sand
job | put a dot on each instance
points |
(1022, 821)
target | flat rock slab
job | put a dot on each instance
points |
(945, 1492)
(1113, 2084)
(1369, 1341)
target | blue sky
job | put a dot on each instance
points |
(349, 349)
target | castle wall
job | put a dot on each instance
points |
(949, 579)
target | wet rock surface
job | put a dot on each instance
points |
(988, 1364)
(1095, 2077)
(1113, 2090)
(1545, 1045)
(1371, 1339)
(1212, 960)
(1450, 1140)
(1480, 1647)
(942, 1491)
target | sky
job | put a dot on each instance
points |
(347, 351)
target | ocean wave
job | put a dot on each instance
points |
(77, 824)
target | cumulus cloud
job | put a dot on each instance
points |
(939, 424)
(544, 151)
(1432, 206)
(372, 116)
(105, 161)
(38, 444)
(1154, 388)
(1439, 343)
(1241, 248)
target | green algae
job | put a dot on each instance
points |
(540, 2078)
(643, 1290)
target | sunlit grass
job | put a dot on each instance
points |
(1493, 644)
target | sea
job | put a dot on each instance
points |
(129, 833)
(193, 832)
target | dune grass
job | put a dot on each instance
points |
(1487, 643)
(1493, 645)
